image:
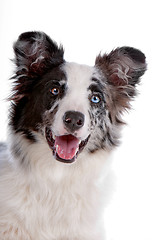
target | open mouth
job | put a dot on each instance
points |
(66, 147)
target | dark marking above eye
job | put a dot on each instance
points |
(53, 83)
(95, 88)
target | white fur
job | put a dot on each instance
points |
(52, 200)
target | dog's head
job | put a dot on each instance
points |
(74, 107)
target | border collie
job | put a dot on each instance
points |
(64, 121)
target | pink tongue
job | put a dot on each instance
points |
(66, 146)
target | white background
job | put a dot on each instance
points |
(85, 28)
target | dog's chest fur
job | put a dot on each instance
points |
(62, 202)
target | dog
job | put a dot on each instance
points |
(65, 120)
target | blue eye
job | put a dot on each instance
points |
(95, 99)
(55, 91)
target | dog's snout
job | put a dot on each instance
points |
(73, 120)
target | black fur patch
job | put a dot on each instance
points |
(28, 112)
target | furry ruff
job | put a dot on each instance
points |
(64, 121)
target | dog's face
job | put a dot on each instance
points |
(75, 107)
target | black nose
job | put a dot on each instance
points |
(73, 120)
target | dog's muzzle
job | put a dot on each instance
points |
(67, 147)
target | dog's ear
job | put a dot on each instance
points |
(35, 53)
(122, 69)
(123, 66)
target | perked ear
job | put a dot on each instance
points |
(122, 69)
(35, 53)
(123, 66)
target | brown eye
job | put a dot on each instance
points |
(55, 91)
